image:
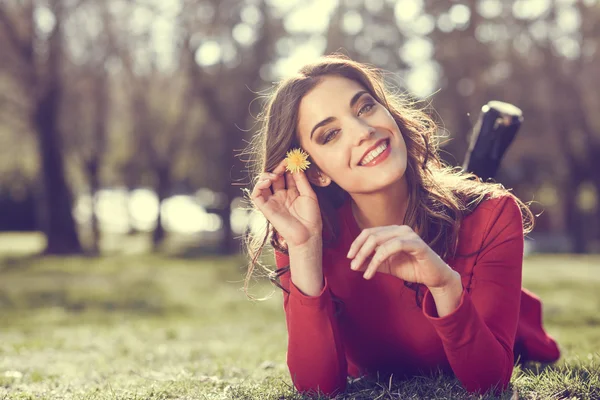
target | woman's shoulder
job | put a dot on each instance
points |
(496, 219)
(499, 209)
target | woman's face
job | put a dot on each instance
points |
(339, 125)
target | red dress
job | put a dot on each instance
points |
(380, 329)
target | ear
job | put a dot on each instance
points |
(317, 177)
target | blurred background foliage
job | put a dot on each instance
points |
(129, 117)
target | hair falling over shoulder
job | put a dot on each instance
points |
(440, 195)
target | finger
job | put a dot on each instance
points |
(278, 172)
(382, 253)
(290, 182)
(261, 191)
(302, 183)
(280, 168)
(383, 233)
(390, 248)
(279, 182)
(371, 269)
(365, 251)
(265, 175)
(364, 265)
(411, 244)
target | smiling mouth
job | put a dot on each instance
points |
(373, 154)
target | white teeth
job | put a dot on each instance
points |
(374, 153)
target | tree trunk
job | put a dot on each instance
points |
(94, 181)
(163, 189)
(131, 180)
(228, 244)
(573, 217)
(98, 149)
(596, 213)
(59, 224)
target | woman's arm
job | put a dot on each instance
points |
(448, 298)
(315, 356)
(306, 266)
(478, 336)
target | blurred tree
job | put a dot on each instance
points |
(164, 114)
(36, 55)
(18, 159)
(571, 116)
(162, 107)
(369, 32)
(88, 97)
(227, 87)
(541, 57)
(169, 109)
(463, 61)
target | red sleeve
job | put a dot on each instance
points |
(315, 356)
(478, 336)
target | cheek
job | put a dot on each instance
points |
(333, 162)
(389, 123)
(384, 119)
(339, 161)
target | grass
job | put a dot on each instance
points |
(159, 327)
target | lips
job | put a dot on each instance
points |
(377, 144)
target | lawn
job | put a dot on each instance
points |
(136, 326)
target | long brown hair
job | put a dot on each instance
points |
(440, 196)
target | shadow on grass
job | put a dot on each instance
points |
(33, 283)
(21, 262)
(196, 252)
(143, 297)
(9, 263)
(146, 284)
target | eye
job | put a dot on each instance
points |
(366, 108)
(330, 134)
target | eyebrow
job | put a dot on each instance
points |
(330, 119)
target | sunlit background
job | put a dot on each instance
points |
(159, 99)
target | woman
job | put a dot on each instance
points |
(375, 218)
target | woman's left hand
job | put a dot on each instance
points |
(399, 251)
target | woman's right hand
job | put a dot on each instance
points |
(294, 212)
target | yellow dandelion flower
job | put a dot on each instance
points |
(297, 160)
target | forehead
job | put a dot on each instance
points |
(330, 97)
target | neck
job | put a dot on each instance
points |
(387, 207)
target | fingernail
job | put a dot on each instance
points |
(353, 264)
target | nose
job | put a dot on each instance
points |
(365, 132)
